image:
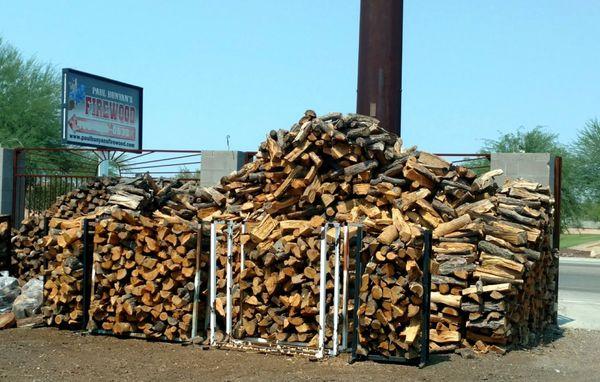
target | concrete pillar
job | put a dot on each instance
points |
(216, 164)
(537, 167)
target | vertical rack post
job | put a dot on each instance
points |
(336, 289)
(228, 318)
(242, 253)
(357, 280)
(345, 287)
(322, 292)
(556, 230)
(87, 259)
(197, 283)
(242, 267)
(213, 286)
(425, 310)
(7, 258)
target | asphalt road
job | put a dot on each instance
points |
(579, 293)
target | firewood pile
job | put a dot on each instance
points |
(279, 288)
(63, 295)
(391, 298)
(344, 169)
(492, 269)
(512, 299)
(84, 200)
(63, 245)
(347, 169)
(144, 270)
(28, 252)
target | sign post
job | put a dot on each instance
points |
(101, 112)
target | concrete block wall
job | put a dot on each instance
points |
(216, 164)
(538, 167)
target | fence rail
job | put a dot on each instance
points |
(40, 175)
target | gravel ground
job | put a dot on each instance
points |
(47, 354)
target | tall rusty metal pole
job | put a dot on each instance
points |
(379, 92)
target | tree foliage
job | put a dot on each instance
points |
(536, 140)
(30, 97)
(29, 101)
(587, 151)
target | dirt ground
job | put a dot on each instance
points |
(47, 354)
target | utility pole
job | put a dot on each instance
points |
(379, 91)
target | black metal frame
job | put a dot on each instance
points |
(425, 309)
(556, 230)
(8, 245)
(88, 261)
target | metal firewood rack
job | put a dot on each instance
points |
(425, 311)
(89, 283)
(340, 276)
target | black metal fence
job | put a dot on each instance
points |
(43, 174)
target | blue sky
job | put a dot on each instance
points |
(213, 68)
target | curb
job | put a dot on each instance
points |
(579, 260)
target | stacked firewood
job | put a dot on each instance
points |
(84, 200)
(63, 296)
(334, 168)
(344, 169)
(144, 275)
(512, 299)
(455, 250)
(278, 291)
(391, 297)
(63, 245)
(29, 254)
(279, 286)
(28, 251)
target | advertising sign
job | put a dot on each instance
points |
(101, 112)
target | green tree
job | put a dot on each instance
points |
(29, 101)
(30, 98)
(186, 173)
(539, 140)
(587, 151)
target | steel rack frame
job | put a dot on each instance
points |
(283, 346)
